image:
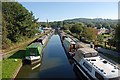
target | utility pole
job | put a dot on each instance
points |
(47, 23)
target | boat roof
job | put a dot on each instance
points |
(34, 45)
(70, 40)
(73, 38)
(104, 67)
(87, 50)
(76, 40)
(42, 37)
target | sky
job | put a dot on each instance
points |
(57, 11)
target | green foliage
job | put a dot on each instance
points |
(67, 26)
(17, 22)
(43, 24)
(114, 58)
(106, 35)
(90, 34)
(97, 22)
(117, 33)
(77, 28)
(99, 25)
(67, 31)
(106, 25)
(55, 24)
(9, 67)
(117, 36)
(100, 38)
(91, 25)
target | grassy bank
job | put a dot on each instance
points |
(114, 58)
(11, 64)
(9, 70)
(17, 45)
(13, 61)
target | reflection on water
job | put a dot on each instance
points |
(54, 63)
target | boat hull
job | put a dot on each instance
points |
(33, 59)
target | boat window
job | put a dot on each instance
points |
(87, 66)
(98, 76)
(33, 52)
(94, 54)
(87, 55)
(90, 54)
(74, 46)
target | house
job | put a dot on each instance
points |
(103, 30)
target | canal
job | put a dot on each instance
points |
(54, 63)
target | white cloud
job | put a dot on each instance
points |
(67, 0)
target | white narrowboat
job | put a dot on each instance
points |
(94, 67)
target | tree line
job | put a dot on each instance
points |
(17, 23)
(85, 28)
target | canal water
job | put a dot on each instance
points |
(54, 63)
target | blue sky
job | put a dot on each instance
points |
(55, 11)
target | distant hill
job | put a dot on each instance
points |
(95, 20)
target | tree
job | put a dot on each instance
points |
(90, 33)
(77, 28)
(100, 38)
(117, 36)
(106, 25)
(67, 26)
(91, 25)
(99, 25)
(18, 22)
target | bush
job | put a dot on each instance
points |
(6, 43)
(67, 31)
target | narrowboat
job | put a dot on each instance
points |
(94, 67)
(34, 52)
(43, 40)
(62, 35)
(69, 46)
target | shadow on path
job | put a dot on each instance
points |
(19, 54)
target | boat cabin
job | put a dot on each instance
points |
(101, 69)
(40, 41)
(95, 66)
(33, 51)
(85, 53)
(69, 45)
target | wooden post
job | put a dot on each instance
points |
(105, 44)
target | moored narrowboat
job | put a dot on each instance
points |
(95, 67)
(34, 52)
(43, 40)
(70, 46)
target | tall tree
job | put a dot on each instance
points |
(67, 26)
(77, 28)
(117, 36)
(90, 33)
(18, 22)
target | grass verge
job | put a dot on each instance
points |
(114, 58)
(9, 65)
